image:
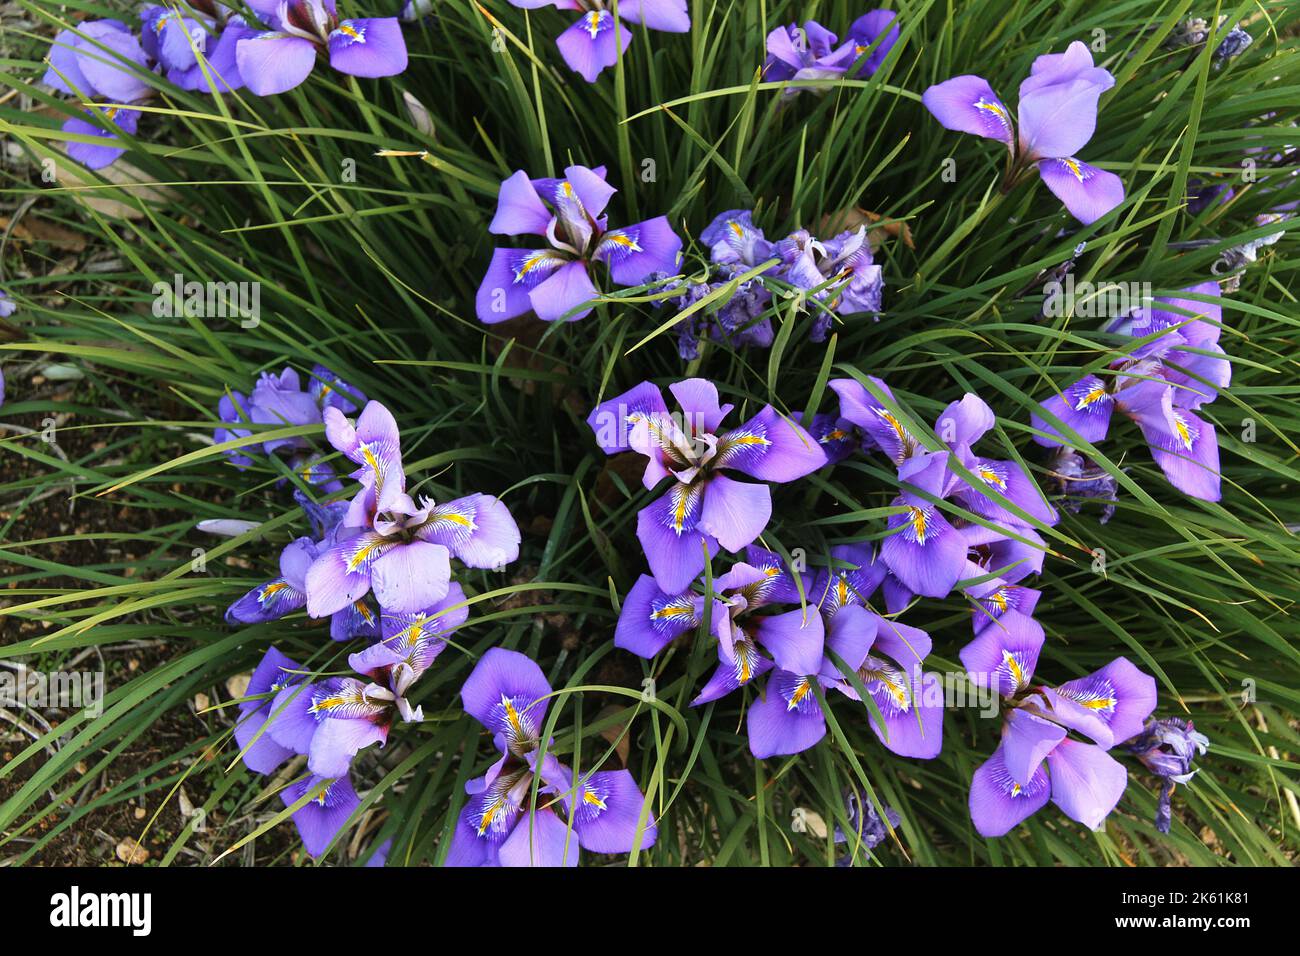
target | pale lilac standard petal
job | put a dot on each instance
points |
(968, 104)
(607, 811)
(701, 409)
(1057, 120)
(1026, 742)
(504, 677)
(540, 840)
(260, 752)
(674, 545)
(593, 43)
(1076, 716)
(411, 576)
(770, 447)
(1004, 654)
(1087, 782)
(320, 819)
(670, 16)
(964, 422)
(787, 719)
(1086, 191)
(1084, 406)
(637, 253)
(564, 293)
(520, 211)
(271, 63)
(368, 47)
(512, 275)
(998, 803)
(906, 644)
(735, 512)
(590, 188)
(795, 639)
(104, 70)
(851, 634)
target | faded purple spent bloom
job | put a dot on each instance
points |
(840, 273)
(388, 543)
(280, 59)
(278, 400)
(500, 825)
(736, 246)
(595, 41)
(866, 829)
(556, 282)
(1157, 385)
(98, 59)
(1079, 479)
(1167, 748)
(703, 507)
(101, 124)
(812, 52)
(1057, 116)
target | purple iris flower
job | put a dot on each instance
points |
(278, 60)
(1056, 118)
(840, 273)
(926, 551)
(334, 719)
(595, 42)
(1167, 748)
(388, 543)
(884, 654)
(508, 694)
(1036, 761)
(95, 60)
(815, 53)
(703, 507)
(180, 44)
(100, 59)
(1159, 386)
(319, 820)
(279, 400)
(556, 280)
